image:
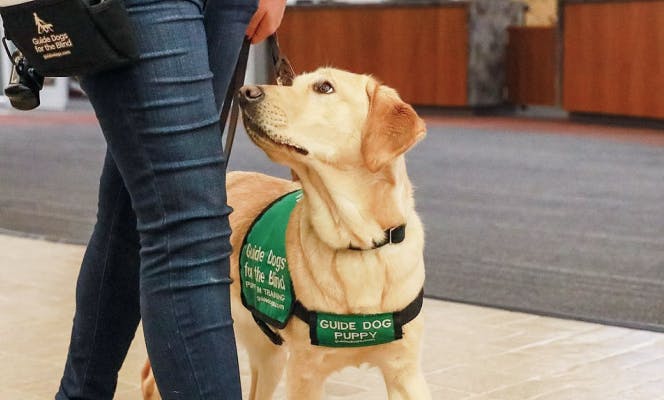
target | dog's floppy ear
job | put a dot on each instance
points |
(392, 127)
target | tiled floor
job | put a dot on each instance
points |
(471, 353)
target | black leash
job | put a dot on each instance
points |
(230, 102)
(284, 75)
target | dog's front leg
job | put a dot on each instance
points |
(305, 376)
(400, 364)
(406, 384)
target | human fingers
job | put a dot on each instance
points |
(269, 20)
(255, 22)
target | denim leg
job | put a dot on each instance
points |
(160, 121)
(107, 302)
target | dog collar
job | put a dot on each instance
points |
(395, 235)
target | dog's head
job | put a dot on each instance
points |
(343, 120)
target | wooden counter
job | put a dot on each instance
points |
(422, 51)
(531, 65)
(613, 57)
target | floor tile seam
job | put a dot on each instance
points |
(51, 300)
(537, 341)
(467, 395)
(541, 343)
(638, 364)
(565, 386)
(595, 360)
(433, 386)
(591, 328)
(498, 388)
(526, 318)
(24, 395)
(641, 384)
(621, 351)
(42, 360)
(507, 372)
(540, 377)
(510, 371)
(24, 383)
(12, 329)
(477, 396)
(444, 369)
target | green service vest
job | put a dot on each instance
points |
(267, 289)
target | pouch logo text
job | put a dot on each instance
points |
(48, 43)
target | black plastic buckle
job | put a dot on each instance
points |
(396, 234)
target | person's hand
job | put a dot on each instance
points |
(266, 19)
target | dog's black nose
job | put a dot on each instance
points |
(251, 94)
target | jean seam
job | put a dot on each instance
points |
(116, 212)
(171, 272)
(160, 204)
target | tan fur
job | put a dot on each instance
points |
(355, 184)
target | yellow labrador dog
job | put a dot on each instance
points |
(344, 135)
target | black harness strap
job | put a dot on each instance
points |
(272, 335)
(309, 317)
(408, 314)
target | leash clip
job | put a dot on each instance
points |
(283, 70)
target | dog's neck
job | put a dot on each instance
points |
(355, 209)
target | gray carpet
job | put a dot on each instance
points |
(558, 225)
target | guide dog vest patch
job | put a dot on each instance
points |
(267, 289)
(266, 284)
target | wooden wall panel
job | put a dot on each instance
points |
(420, 51)
(531, 65)
(614, 58)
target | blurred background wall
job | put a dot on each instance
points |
(541, 12)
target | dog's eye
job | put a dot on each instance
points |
(324, 87)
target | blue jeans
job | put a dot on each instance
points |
(160, 248)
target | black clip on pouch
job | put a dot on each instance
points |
(71, 37)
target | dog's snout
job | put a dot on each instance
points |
(251, 94)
